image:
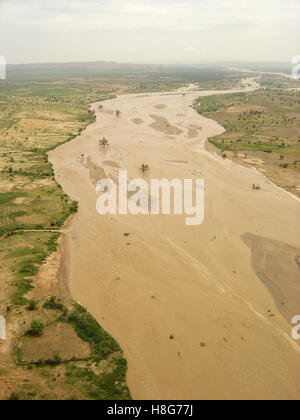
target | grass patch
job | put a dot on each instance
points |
(87, 328)
(109, 386)
(53, 305)
(25, 261)
(262, 121)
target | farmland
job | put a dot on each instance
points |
(35, 118)
(262, 129)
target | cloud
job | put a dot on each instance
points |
(152, 27)
(137, 14)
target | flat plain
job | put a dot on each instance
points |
(198, 313)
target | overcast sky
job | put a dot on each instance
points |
(149, 31)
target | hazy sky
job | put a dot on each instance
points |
(145, 31)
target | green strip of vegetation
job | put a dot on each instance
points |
(27, 261)
(36, 117)
(265, 120)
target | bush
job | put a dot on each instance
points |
(56, 360)
(32, 305)
(14, 397)
(103, 142)
(89, 330)
(74, 207)
(52, 304)
(36, 328)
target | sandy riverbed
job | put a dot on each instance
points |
(199, 285)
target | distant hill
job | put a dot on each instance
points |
(98, 68)
(274, 67)
(76, 69)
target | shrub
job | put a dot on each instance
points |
(74, 207)
(36, 328)
(144, 168)
(56, 360)
(32, 305)
(103, 142)
(52, 304)
(14, 397)
(89, 330)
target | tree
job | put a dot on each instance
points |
(52, 304)
(144, 168)
(103, 142)
(32, 305)
(36, 328)
(56, 359)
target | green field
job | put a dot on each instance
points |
(263, 124)
(35, 117)
(260, 121)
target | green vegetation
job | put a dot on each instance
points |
(103, 142)
(262, 127)
(36, 328)
(23, 253)
(31, 124)
(35, 117)
(226, 82)
(87, 376)
(264, 120)
(32, 305)
(41, 107)
(144, 168)
(89, 330)
(278, 82)
(112, 385)
(53, 305)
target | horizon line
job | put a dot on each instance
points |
(148, 63)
